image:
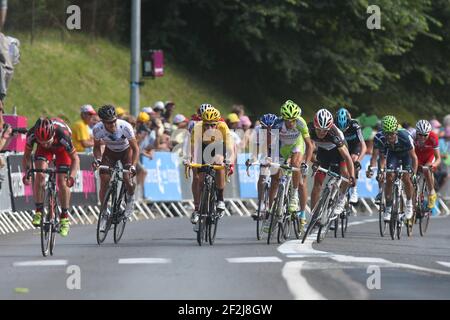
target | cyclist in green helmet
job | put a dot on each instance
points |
(295, 144)
(399, 148)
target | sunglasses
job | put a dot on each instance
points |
(210, 124)
(109, 122)
(422, 135)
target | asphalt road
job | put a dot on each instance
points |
(160, 259)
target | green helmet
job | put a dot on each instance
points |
(290, 110)
(389, 124)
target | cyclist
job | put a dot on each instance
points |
(212, 138)
(399, 147)
(54, 139)
(296, 145)
(379, 157)
(355, 141)
(332, 154)
(120, 145)
(264, 150)
(427, 150)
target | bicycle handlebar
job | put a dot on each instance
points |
(333, 174)
(113, 169)
(46, 171)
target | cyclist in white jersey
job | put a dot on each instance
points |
(120, 145)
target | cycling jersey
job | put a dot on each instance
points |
(117, 141)
(61, 146)
(425, 150)
(219, 134)
(404, 143)
(353, 135)
(333, 139)
(291, 140)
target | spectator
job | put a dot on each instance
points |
(238, 109)
(447, 121)
(436, 127)
(233, 123)
(80, 130)
(179, 134)
(120, 112)
(245, 124)
(158, 109)
(444, 147)
(169, 107)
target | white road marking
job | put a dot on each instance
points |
(40, 263)
(351, 259)
(253, 259)
(443, 263)
(297, 283)
(144, 261)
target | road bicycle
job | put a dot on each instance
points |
(111, 212)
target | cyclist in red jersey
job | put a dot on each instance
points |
(426, 144)
(53, 138)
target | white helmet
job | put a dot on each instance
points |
(423, 127)
(323, 119)
(204, 106)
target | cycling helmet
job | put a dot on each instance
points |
(343, 118)
(268, 120)
(389, 124)
(211, 115)
(44, 129)
(290, 110)
(205, 106)
(323, 119)
(107, 113)
(423, 127)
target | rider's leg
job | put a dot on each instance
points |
(317, 187)
(354, 194)
(274, 187)
(295, 162)
(220, 183)
(429, 177)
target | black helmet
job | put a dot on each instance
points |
(107, 113)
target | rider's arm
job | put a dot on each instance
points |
(135, 148)
(309, 150)
(373, 159)
(97, 149)
(437, 158)
(413, 155)
(26, 159)
(348, 160)
(74, 167)
(363, 150)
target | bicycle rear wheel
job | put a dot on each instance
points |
(120, 220)
(425, 215)
(400, 219)
(262, 214)
(105, 216)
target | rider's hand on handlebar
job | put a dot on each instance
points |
(96, 164)
(132, 170)
(352, 181)
(304, 168)
(315, 167)
(357, 165)
(26, 180)
(369, 172)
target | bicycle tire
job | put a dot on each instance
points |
(55, 223)
(400, 222)
(262, 217)
(296, 225)
(324, 228)
(121, 221)
(46, 223)
(344, 217)
(381, 223)
(274, 225)
(394, 214)
(213, 218)
(315, 214)
(203, 213)
(336, 226)
(425, 216)
(101, 236)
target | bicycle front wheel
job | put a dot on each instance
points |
(213, 219)
(120, 220)
(262, 214)
(202, 235)
(276, 212)
(316, 214)
(105, 217)
(47, 222)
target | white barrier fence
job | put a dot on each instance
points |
(12, 222)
